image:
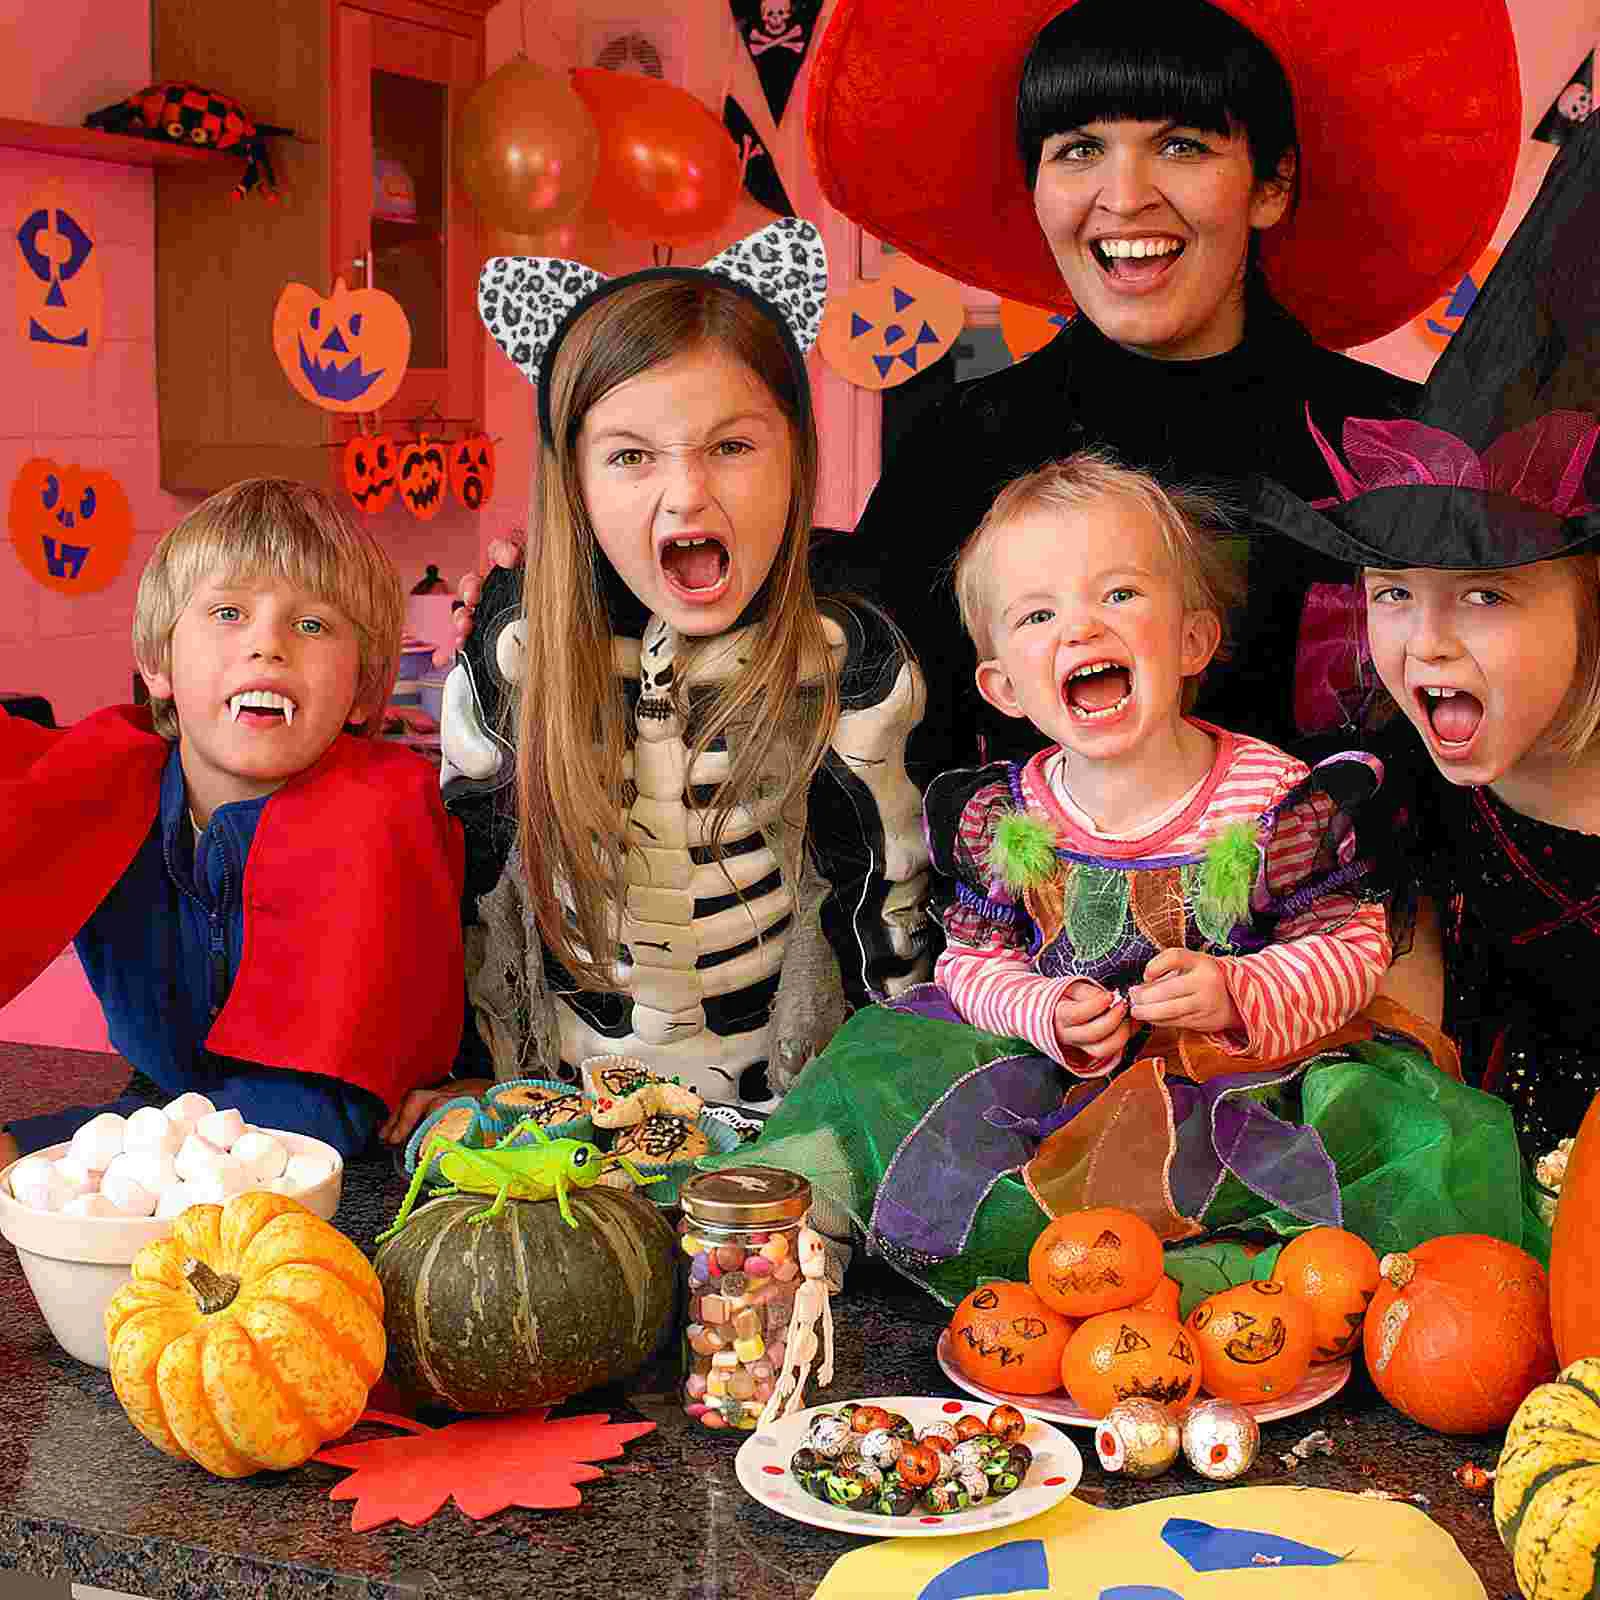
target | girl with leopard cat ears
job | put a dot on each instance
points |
(676, 766)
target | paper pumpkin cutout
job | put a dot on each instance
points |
(1027, 328)
(60, 292)
(71, 526)
(1377, 1548)
(484, 1463)
(422, 477)
(370, 471)
(347, 352)
(1443, 317)
(880, 333)
(472, 470)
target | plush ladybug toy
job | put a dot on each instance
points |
(191, 115)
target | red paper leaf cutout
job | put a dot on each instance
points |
(485, 1463)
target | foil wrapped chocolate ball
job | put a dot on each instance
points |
(1220, 1439)
(829, 1434)
(880, 1447)
(1139, 1437)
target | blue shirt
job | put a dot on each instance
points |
(161, 953)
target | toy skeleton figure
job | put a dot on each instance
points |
(811, 1304)
(739, 956)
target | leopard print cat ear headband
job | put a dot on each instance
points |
(528, 302)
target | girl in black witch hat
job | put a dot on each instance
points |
(1476, 526)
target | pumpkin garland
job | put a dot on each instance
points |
(248, 1337)
(370, 471)
(423, 478)
(472, 470)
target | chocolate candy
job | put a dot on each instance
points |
(1007, 1423)
(939, 1433)
(881, 1447)
(969, 1427)
(845, 1488)
(865, 1418)
(1139, 1437)
(1220, 1439)
(970, 1454)
(830, 1433)
(918, 1465)
(974, 1482)
(945, 1496)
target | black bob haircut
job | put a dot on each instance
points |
(1155, 61)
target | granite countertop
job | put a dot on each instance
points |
(82, 1496)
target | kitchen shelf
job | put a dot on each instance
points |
(121, 149)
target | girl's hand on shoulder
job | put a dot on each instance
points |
(1092, 1020)
(420, 1102)
(1186, 989)
(506, 552)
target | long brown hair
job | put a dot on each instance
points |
(572, 721)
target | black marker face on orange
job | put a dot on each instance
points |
(1255, 1343)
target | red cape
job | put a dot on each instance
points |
(352, 963)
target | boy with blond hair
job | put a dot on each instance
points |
(265, 898)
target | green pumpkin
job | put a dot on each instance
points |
(521, 1310)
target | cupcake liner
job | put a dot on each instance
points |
(481, 1131)
(721, 1138)
(506, 1117)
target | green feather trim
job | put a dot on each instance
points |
(1022, 853)
(1228, 873)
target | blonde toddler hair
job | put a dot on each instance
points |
(275, 528)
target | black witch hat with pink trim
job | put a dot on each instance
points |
(1496, 467)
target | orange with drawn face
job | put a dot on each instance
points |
(1005, 1337)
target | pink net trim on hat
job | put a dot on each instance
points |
(1541, 464)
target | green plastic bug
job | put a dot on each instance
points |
(521, 1171)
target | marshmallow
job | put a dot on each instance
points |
(221, 1128)
(260, 1154)
(99, 1141)
(90, 1205)
(75, 1178)
(189, 1107)
(150, 1128)
(35, 1182)
(198, 1158)
(306, 1171)
(174, 1199)
(126, 1193)
(154, 1170)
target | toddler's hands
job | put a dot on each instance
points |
(420, 1102)
(1186, 989)
(506, 552)
(1093, 1020)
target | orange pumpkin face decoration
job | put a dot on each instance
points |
(882, 332)
(60, 294)
(369, 471)
(1444, 316)
(347, 352)
(422, 478)
(472, 470)
(71, 525)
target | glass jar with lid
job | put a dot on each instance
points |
(739, 1251)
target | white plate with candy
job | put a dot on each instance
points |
(1319, 1384)
(766, 1468)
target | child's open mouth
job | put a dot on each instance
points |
(1136, 261)
(696, 566)
(1097, 690)
(262, 706)
(1453, 714)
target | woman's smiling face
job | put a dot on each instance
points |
(1150, 223)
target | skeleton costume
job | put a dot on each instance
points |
(731, 960)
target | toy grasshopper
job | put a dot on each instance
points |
(523, 1171)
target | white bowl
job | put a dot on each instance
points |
(75, 1264)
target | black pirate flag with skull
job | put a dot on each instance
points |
(777, 34)
(757, 169)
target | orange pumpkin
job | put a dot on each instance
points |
(369, 471)
(60, 292)
(346, 352)
(1099, 1259)
(1574, 1291)
(472, 470)
(422, 478)
(1005, 1337)
(1459, 1332)
(71, 525)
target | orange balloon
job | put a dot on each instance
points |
(669, 171)
(526, 148)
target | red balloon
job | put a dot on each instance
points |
(669, 171)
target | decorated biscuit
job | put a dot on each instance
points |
(614, 1077)
(649, 1099)
(660, 1140)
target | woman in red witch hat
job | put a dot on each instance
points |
(1225, 194)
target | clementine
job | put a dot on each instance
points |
(1255, 1341)
(1099, 1259)
(1130, 1354)
(1005, 1337)
(1165, 1298)
(1336, 1273)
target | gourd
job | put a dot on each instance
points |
(521, 1310)
(1574, 1285)
(1459, 1332)
(1547, 1486)
(247, 1337)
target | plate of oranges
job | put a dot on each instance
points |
(1098, 1321)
